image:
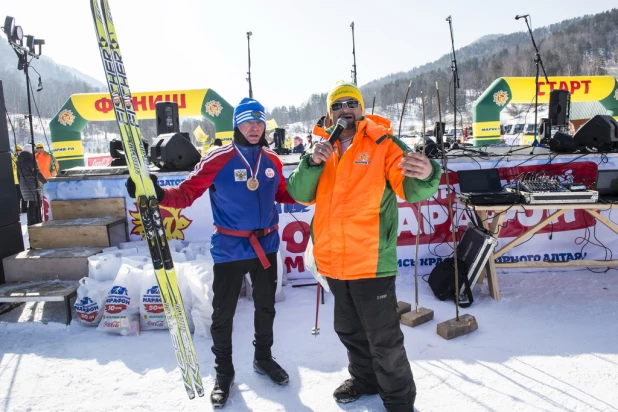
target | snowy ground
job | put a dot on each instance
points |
(550, 344)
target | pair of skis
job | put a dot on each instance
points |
(148, 205)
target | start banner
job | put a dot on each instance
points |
(572, 236)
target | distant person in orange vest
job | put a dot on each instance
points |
(48, 165)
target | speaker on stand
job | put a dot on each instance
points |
(559, 107)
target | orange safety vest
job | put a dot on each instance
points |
(48, 166)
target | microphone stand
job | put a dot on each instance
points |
(249, 59)
(455, 82)
(24, 64)
(537, 62)
(354, 55)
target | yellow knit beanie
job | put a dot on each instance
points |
(344, 89)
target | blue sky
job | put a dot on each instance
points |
(297, 48)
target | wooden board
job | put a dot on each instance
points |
(87, 232)
(39, 291)
(47, 264)
(75, 209)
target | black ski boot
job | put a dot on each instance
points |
(221, 391)
(272, 369)
(346, 392)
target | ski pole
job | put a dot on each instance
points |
(316, 330)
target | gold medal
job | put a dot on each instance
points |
(252, 184)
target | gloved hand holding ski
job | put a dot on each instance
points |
(131, 188)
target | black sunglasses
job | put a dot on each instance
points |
(352, 104)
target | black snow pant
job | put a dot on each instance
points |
(21, 203)
(33, 214)
(367, 324)
(226, 286)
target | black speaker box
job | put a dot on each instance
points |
(167, 118)
(4, 131)
(9, 207)
(116, 151)
(174, 151)
(559, 107)
(11, 242)
(545, 131)
(600, 133)
(279, 138)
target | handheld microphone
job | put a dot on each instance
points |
(522, 16)
(334, 136)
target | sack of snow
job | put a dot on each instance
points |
(91, 295)
(121, 313)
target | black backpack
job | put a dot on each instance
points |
(442, 281)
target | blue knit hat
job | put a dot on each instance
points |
(248, 109)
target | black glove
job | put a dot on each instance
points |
(131, 188)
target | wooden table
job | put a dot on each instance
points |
(40, 291)
(496, 225)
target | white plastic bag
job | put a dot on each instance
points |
(311, 266)
(183, 287)
(152, 314)
(122, 304)
(91, 295)
(104, 267)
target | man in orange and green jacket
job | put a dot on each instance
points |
(354, 185)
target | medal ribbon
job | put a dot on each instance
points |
(253, 172)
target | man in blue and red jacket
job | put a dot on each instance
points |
(245, 179)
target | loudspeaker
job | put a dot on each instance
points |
(279, 138)
(116, 151)
(167, 118)
(559, 107)
(11, 242)
(545, 131)
(562, 143)
(9, 206)
(173, 151)
(5, 145)
(115, 147)
(438, 131)
(600, 133)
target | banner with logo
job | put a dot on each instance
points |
(573, 236)
(505, 90)
(101, 161)
(80, 109)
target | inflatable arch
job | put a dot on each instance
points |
(505, 90)
(79, 109)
